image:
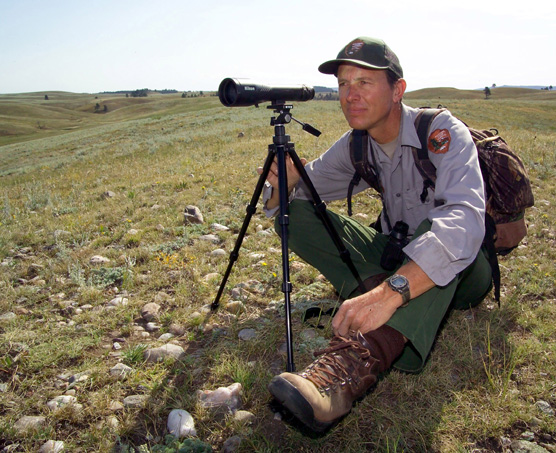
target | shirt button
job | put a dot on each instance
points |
(398, 195)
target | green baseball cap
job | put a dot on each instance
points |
(366, 52)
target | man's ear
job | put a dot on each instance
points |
(399, 90)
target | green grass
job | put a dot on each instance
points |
(157, 155)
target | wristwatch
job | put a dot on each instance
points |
(400, 284)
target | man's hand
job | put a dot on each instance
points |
(293, 177)
(371, 310)
(366, 312)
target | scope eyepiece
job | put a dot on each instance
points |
(244, 92)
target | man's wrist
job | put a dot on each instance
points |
(400, 284)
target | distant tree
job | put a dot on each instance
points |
(183, 95)
(127, 95)
(46, 97)
(97, 107)
(550, 87)
(200, 93)
(487, 92)
(105, 108)
(493, 85)
(140, 93)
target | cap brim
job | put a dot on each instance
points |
(331, 67)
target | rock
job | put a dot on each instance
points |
(247, 334)
(245, 417)
(108, 194)
(52, 446)
(118, 301)
(115, 406)
(210, 237)
(79, 377)
(162, 297)
(120, 370)
(524, 446)
(135, 401)
(218, 252)
(223, 398)
(167, 351)
(177, 330)
(211, 276)
(29, 423)
(152, 327)
(218, 227)
(112, 422)
(150, 311)
(63, 400)
(181, 424)
(235, 307)
(544, 407)
(192, 215)
(97, 259)
(231, 445)
(9, 316)
(165, 337)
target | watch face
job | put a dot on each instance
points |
(398, 281)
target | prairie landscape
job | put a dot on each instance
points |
(98, 268)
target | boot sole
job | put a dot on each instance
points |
(290, 397)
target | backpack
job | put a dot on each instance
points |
(507, 186)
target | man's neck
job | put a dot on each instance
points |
(389, 130)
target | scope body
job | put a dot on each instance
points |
(245, 92)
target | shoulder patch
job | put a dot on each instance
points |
(439, 141)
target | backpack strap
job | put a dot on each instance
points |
(421, 155)
(358, 147)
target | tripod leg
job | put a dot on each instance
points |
(284, 221)
(320, 207)
(251, 209)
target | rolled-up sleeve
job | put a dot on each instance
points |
(458, 224)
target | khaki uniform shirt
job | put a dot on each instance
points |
(456, 207)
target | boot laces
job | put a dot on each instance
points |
(337, 364)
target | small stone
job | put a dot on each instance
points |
(63, 400)
(244, 417)
(235, 307)
(545, 407)
(227, 398)
(118, 301)
(218, 252)
(181, 424)
(29, 423)
(193, 215)
(210, 238)
(9, 316)
(167, 351)
(52, 446)
(165, 337)
(120, 370)
(524, 446)
(115, 406)
(219, 227)
(135, 401)
(247, 334)
(211, 276)
(97, 259)
(116, 346)
(231, 445)
(108, 194)
(177, 330)
(150, 311)
(152, 327)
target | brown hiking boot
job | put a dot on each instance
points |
(325, 391)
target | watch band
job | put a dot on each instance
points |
(400, 284)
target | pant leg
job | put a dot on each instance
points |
(308, 238)
(420, 320)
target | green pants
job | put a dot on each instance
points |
(420, 320)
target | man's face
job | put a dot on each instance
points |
(366, 97)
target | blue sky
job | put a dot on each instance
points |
(107, 45)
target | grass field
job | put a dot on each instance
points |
(484, 386)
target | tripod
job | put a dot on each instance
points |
(281, 146)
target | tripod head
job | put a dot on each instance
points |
(285, 117)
